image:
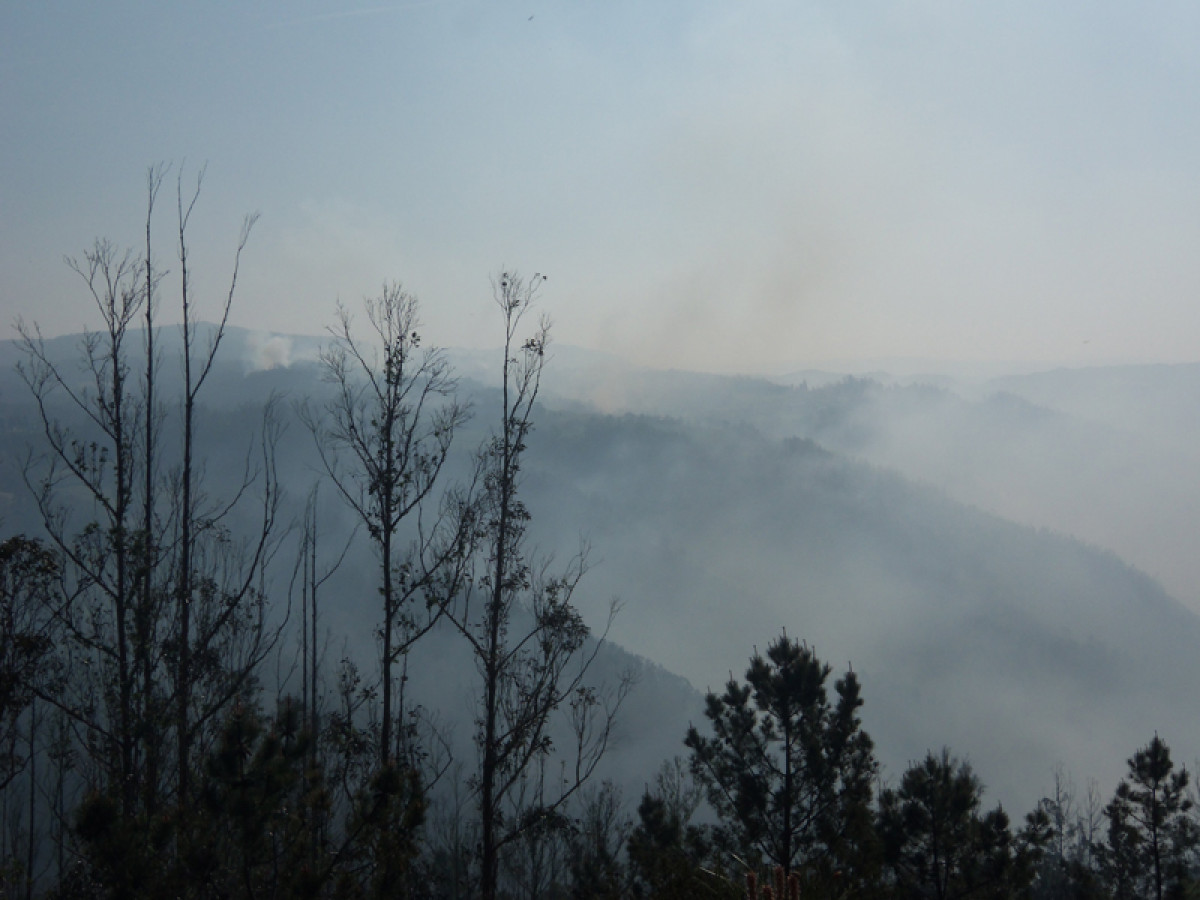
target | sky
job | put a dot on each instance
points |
(709, 184)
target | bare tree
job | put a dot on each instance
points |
(97, 466)
(383, 439)
(238, 586)
(152, 578)
(150, 599)
(530, 645)
(313, 576)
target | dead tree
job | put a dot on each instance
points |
(93, 469)
(152, 577)
(383, 439)
(531, 647)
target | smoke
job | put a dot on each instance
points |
(268, 351)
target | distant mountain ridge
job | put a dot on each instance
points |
(722, 509)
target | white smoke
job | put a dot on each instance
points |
(268, 351)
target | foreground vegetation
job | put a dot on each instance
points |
(161, 737)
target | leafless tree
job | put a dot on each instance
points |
(153, 580)
(383, 439)
(531, 647)
(95, 468)
(312, 573)
(196, 523)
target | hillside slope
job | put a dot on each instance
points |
(1018, 647)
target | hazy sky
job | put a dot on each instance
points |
(723, 185)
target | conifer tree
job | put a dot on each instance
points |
(670, 856)
(1151, 832)
(936, 841)
(28, 596)
(788, 772)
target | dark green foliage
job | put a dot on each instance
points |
(1061, 838)
(789, 773)
(262, 826)
(937, 843)
(250, 828)
(122, 857)
(1152, 838)
(670, 859)
(248, 834)
(28, 572)
(1049, 866)
(1121, 858)
(669, 855)
(383, 836)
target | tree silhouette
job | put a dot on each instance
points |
(936, 841)
(1151, 833)
(161, 622)
(383, 439)
(788, 772)
(529, 643)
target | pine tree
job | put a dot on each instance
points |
(670, 856)
(1151, 833)
(788, 772)
(937, 843)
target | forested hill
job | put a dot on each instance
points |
(1107, 455)
(1020, 646)
(757, 507)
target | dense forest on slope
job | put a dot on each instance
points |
(1102, 454)
(721, 510)
(714, 533)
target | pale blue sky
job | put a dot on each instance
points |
(748, 186)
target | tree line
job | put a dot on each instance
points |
(170, 725)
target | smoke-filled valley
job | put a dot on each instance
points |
(925, 535)
(964, 547)
(817, 519)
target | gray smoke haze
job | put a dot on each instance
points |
(269, 351)
(987, 626)
(951, 202)
(923, 535)
(749, 187)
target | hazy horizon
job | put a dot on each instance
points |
(988, 212)
(271, 348)
(751, 188)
